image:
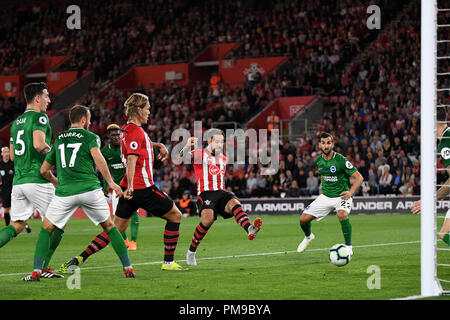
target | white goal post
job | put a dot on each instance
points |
(430, 285)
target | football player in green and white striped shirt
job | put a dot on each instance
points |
(337, 192)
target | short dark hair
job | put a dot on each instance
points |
(213, 132)
(441, 114)
(77, 112)
(325, 135)
(33, 89)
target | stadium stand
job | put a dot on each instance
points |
(369, 84)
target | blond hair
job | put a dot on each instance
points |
(135, 102)
(112, 126)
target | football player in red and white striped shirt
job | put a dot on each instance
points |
(139, 188)
(213, 199)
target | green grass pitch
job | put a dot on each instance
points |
(229, 265)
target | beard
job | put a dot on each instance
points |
(326, 153)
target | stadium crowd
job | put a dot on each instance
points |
(376, 125)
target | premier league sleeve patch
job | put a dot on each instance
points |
(348, 164)
(445, 153)
(43, 120)
(133, 145)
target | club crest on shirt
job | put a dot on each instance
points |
(214, 170)
(332, 169)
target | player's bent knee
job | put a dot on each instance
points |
(342, 215)
(18, 225)
(233, 202)
(174, 215)
(107, 225)
(207, 217)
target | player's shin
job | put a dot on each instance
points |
(306, 227)
(199, 234)
(134, 226)
(119, 247)
(241, 217)
(99, 242)
(54, 243)
(347, 231)
(42, 249)
(171, 234)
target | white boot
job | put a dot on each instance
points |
(304, 244)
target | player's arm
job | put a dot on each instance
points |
(46, 172)
(442, 192)
(358, 181)
(11, 152)
(163, 152)
(102, 167)
(131, 169)
(189, 145)
(39, 142)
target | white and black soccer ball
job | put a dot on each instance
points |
(340, 255)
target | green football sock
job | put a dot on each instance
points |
(134, 226)
(42, 248)
(7, 234)
(54, 242)
(446, 238)
(124, 235)
(119, 246)
(347, 231)
(306, 228)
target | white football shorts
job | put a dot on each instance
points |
(93, 203)
(27, 197)
(323, 205)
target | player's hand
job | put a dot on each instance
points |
(163, 153)
(415, 208)
(192, 141)
(346, 195)
(128, 194)
(117, 189)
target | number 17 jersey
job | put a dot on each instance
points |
(75, 167)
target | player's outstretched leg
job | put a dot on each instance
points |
(100, 241)
(242, 219)
(305, 224)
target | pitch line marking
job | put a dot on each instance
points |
(232, 256)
